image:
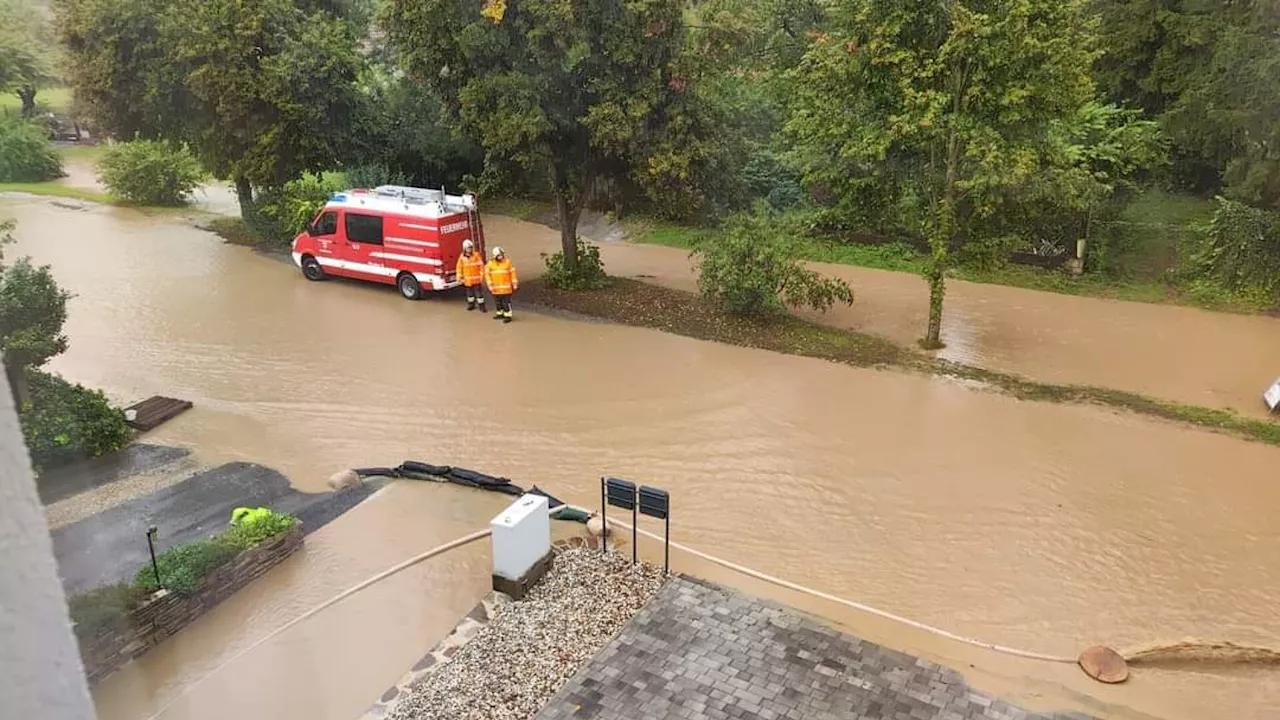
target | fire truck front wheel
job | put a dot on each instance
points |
(311, 268)
(409, 286)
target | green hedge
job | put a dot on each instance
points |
(63, 422)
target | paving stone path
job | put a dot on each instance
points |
(702, 652)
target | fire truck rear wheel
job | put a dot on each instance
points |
(409, 286)
(311, 268)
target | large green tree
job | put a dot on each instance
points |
(948, 101)
(28, 53)
(573, 90)
(32, 311)
(262, 90)
(1209, 70)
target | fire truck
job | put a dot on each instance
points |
(403, 236)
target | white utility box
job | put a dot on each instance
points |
(1272, 396)
(521, 537)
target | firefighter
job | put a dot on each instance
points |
(471, 273)
(500, 276)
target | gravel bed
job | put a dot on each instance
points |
(513, 666)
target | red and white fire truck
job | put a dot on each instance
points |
(402, 236)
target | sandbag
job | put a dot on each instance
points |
(421, 467)
(375, 472)
(479, 478)
(552, 501)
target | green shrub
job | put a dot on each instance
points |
(26, 155)
(63, 422)
(183, 567)
(589, 275)
(258, 525)
(282, 213)
(102, 608)
(754, 268)
(371, 176)
(1240, 250)
(150, 172)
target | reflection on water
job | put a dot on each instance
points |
(1034, 525)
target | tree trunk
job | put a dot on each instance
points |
(18, 386)
(940, 245)
(244, 194)
(28, 95)
(568, 213)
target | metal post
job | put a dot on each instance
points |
(604, 524)
(666, 546)
(635, 545)
(151, 546)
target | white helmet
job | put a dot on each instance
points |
(468, 245)
(498, 251)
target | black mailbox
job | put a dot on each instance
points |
(620, 493)
(655, 502)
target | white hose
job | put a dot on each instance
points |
(440, 549)
(849, 603)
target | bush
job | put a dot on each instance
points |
(281, 213)
(589, 275)
(149, 172)
(182, 567)
(754, 268)
(371, 176)
(1241, 250)
(258, 525)
(63, 422)
(102, 608)
(26, 155)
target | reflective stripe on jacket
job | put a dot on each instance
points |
(500, 276)
(471, 269)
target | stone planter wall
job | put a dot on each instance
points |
(166, 612)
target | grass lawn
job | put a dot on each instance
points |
(57, 99)
(53, 189)
(1156, 222)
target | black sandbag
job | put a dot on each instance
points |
(375, 472)
(552, 501)
(421, 467)
(479, 479)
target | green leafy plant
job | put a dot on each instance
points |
(1241, 249)
(150, 172)
(259, 524)
(63, 422)
(587, 273)
(754, 268)
(26, 155)
(281, 213)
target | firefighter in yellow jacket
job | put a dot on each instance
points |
(500, 276)
(471, 274)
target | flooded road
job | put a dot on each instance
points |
(1033, 525)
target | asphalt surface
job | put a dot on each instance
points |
(111, 546)
(135, 459)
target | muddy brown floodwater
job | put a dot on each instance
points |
(1035, 525)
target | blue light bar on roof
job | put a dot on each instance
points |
(338, 197)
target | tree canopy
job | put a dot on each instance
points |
(28, 52)
(573, 90)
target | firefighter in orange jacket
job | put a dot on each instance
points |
(500, 276)
(471, 273)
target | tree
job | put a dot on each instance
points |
(571, 89)
(942, 100)
(32, 311)
(27, 51)
(262, 91)
(1209, 71)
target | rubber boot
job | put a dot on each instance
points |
(506, 317)
(471, 304)
(481, 306)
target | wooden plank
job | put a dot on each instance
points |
(155, 410)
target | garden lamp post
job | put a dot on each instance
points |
(151, 546)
